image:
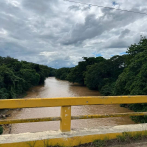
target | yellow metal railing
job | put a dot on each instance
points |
(66, 103)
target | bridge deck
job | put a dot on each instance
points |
(75, 137)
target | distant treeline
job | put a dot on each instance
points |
(119, 75)
(16, 77)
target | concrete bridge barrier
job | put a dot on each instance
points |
(66, 136)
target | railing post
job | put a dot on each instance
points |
(65, 122)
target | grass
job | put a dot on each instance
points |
(125, 138)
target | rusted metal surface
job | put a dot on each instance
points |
(70, 101)
(9, 121)
(13, 121)
(109, 115)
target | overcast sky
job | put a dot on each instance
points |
(59, 33)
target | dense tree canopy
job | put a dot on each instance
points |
(77, 74)
(62, 73)
(101, 76)
(133, 80)
(16, 77)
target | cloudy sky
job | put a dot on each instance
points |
(58, 33)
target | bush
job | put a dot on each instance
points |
(1, 130)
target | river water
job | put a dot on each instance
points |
(58, 88)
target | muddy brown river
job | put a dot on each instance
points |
(58, 88)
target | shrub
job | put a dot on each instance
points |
(1, 130)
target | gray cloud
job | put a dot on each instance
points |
(78, 8)
(74, 8)
(41, 7)
(58, 33)
(94, 26)
(119, 44)
(124, 33)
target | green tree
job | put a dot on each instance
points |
(16, 77)
(132, 81)
(77, 74)
(62, 73)
(133, 78)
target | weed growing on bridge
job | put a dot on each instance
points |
(125, 138)
(32, 145)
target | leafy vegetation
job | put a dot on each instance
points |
(1, 130)
(119, 75)
(78, 73)
(62, 73)
(133, 80)
(102, 75)
(16, 77)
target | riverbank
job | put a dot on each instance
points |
(7, 113)
(3, 115)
